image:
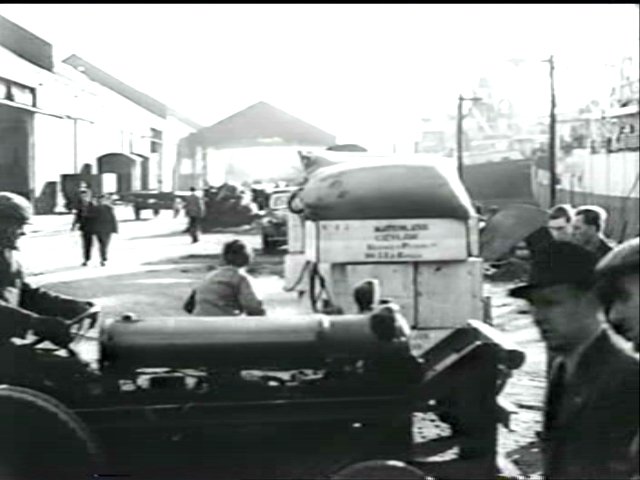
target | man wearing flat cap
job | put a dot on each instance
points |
(591, 410)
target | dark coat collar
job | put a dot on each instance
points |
(595, 367)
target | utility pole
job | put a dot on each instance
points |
(459, 132)
(459, 135)
(552, 135)
(205, 168)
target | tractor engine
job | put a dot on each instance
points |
(221, 355)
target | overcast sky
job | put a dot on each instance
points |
(358, 71)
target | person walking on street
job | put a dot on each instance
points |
(104, 224)
(588, 228)
(194, 209)
(591, 407)
(83, 221)
(227, 290)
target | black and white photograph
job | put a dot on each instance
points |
(319, 241)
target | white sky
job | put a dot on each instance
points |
(361, 72)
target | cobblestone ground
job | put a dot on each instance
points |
(526, 388)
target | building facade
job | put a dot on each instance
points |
(60, 119)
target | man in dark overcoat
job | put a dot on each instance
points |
(591, 409)
(83, 221)
(104, 224)
(194, 209)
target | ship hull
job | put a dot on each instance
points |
(609, 180)
(501, 182)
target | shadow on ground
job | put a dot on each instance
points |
(159, 235)
(263, 264)
(128, 220)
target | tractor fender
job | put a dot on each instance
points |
(41, 438)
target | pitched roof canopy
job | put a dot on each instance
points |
(262, 124)
(25, 44)
(121, 88)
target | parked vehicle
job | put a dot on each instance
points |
(228, 206)
(274, 223)
(151, 200)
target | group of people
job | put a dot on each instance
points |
(581, 290)
(94, 218)
(584, 225)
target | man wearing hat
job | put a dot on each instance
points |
(619, 291)
(24, 308)
(591, 409)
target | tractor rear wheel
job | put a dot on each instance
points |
(41, 438)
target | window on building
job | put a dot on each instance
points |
(23, 95)
(16, 92)
(156, 140)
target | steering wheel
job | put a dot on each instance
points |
(79, 321)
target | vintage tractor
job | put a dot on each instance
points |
(369, 393)
(298, 397)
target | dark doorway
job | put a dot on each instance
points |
(125, 167)
(14, 150)
(144, 172)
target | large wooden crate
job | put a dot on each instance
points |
(431, 295)
(428, 267)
